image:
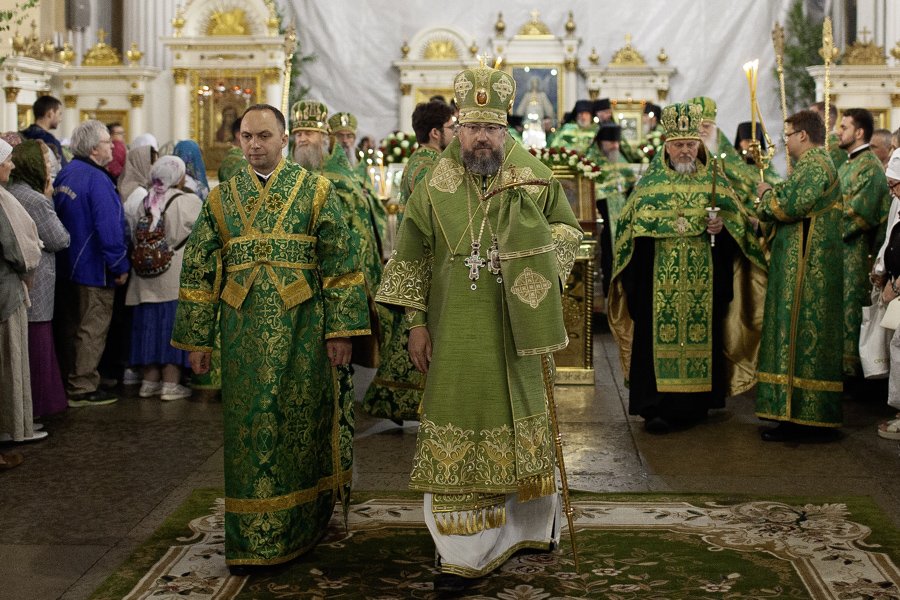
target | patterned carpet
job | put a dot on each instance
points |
(659, 546)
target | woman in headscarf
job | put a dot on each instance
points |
(32, 186)
(20, 254)
(135, 175)
(145, 139)
(189, 152)
(155, 298)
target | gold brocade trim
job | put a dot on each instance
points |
(807, 384)
(215, 205)
(256, 235)
(494, 564)
(349, 333)
(859, 220)
(208, 297)
(398, 384)
(836, 205)
(278, 559)
(771, 417)
(776, 209)
(233, 293)
(343, 281)
(323, 186)
(291, 294)
(567, 240)
(470, 522)
(447, 176)
(531, 287)
(662, 387)
(190, 348)
(270, 263)
(527, 253)
(300, 497)
(544, 350)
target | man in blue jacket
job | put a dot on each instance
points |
(95, 262)
(47, 114)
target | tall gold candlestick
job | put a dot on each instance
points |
(778, 44)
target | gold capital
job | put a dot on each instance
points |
(70, 100)
(272, 74)
(137, 100)
(12, 93)
(405, 89)
(180, 76)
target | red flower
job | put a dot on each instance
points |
(552, 151)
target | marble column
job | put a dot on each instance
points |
(11, 110)
(181, 106)
(407, 106)
(136, 114)
(274, 88)
(69, 119)
(145, 23)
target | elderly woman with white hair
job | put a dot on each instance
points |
(171, 212)
(887, 273)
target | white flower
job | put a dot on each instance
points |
(397, 151)
(404, 144)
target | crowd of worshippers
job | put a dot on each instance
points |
(74, 301)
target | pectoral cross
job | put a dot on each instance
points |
(475, 262)
(494, 259)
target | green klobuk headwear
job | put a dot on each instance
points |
(708, 105)
(484, 95)
(342, 122)
(682, 121)
(308, 115)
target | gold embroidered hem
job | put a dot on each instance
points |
(470, 522)
(808, 384)
(349, 333)
(255, 505)
(198, 296)
(331, 283)
(494, 564)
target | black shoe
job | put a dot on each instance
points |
(449, 582)
(784, 432)
(657, 425)
(240, 570)
(96, 398)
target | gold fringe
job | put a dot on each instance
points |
(470, 521)
(536, 486)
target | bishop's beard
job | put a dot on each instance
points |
(486, 165)
(309, 157)
(685, 167)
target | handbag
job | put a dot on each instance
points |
(874, 340)
(891, 319)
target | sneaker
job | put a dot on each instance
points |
(150, 388)
(37, 435)
(97, 398)
(37, 426)
(131, 377)
(174, 391)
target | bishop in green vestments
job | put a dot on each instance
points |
(271, 257)
(396, 391)
(803, 329)
(867, 201)
(487, 242)
(579, 135)
(685, 314)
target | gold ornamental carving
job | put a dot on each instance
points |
(134, 55)
(178, 22)
(865, 52)
(180, 76)
(473, 49)
(662, 94)
(405, 89)
(500, 26)
(662, 57)
(570, 25)
(594, 58)
(895, 51)
(70, 100)
(102, 55)
(137, 100)
(571, 64)
(441, 49)
(628, 56)
(534, 28)
(12, 93)
(67, 55)
(228, 23)
(895, 100)
(272, 74)
(405, 48)
(32, 47)
(272, 22)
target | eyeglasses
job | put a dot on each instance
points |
(475, 128)
(786, 136)
(891, 186)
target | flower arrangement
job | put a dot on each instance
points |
(652, 145)
(398, 147)
(559, 156)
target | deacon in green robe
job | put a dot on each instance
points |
(396, 391)
(867, 201)
(579, 135)
(485, 247)
(234, 160)
(270, 257)
(833, 142)
(314, 151)
(619, 178)
(800, 357)
(685, 314)
(742, 176)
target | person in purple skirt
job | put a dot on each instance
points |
(32, 186)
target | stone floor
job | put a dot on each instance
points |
(106, 477)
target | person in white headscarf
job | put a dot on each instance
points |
(156, 298)
(145, 139)
(20, 254)
(886, 274)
